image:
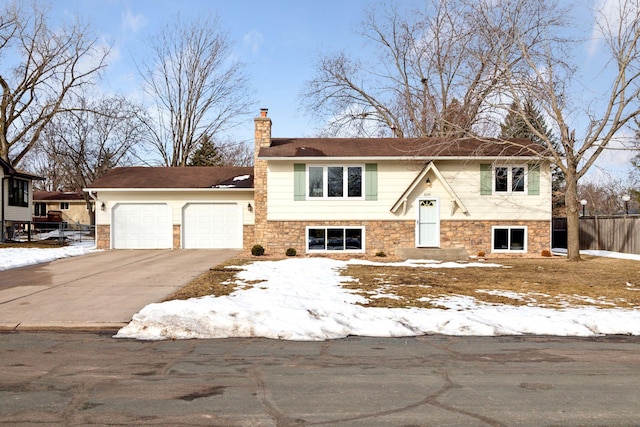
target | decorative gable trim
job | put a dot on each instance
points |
(431, 167)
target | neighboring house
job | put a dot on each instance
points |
(16, 198)
(347, 196)
(180, 207)
(64, 206)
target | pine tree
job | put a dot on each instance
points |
(514, 126)
(206, 155)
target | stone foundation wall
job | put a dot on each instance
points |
(176, 236)
(103, 237)
(386, 236)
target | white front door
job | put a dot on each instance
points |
(428, 223)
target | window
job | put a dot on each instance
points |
(64, 206)
(509, 239)
(40, 209)
(328, 239)
(509, 179)
(18, 192)
(335, 182)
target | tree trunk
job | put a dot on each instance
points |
(573, 219)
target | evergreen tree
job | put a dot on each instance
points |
(206, 154)
(514, 126)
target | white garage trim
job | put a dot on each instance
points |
(141, 226)
(212, 226)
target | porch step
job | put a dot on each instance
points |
(452, 254)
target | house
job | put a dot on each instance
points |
(67, 206)
(355, 196)
(16, 199)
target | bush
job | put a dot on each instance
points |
(546, 253)
(381, 254)
(481, 254)
(257, 250)
(291, 252)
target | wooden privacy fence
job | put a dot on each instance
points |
(605, 233)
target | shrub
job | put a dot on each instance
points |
(381, 254)
(481, 254)
(291, 252)
(257, 250)
(546, 253)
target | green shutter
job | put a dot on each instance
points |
(534, 180)
(486, 184)
(371, 181)
(299, 178)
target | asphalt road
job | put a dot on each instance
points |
(90, 379)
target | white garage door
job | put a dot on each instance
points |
(142, 226)
(212, 226)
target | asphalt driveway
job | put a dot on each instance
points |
(99, 291)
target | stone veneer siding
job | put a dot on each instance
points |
(103, 237)
(386, 236)
(177, 239)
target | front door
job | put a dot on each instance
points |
(428, 223)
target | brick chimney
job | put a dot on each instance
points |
(262, 131)
(262, 139)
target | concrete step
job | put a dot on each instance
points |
(451, 254)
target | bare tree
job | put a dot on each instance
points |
(605, 197)
(78, 147)
(584, 128)
(41, 69)
(433, 73)
(197, 87)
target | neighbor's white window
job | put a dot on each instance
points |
(335, 182)
(329, 239)
(509, 179)
(509, 239)
(64, 206)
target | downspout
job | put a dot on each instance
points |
(95, 222)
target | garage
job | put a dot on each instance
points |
(212, 226)
(142, 226)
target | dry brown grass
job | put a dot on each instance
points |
(552, 282)
(34, 244)
(218, 281)
(543, 282)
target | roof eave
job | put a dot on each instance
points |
(154, 189)
(406, 158)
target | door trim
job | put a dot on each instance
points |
(436, 243)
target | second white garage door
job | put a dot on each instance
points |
(212, 226)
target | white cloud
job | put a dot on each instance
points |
(133, 22)
(610, 14)
(254, 40)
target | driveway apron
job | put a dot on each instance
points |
(102, 290)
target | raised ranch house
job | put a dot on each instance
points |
(339, 196)
(17, 197)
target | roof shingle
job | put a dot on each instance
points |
(400, 147)
(176, 177)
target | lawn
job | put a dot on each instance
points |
(542, 282)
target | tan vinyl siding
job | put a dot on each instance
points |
(175, 199)
(394, 177)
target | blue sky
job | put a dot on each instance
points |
(278, 40)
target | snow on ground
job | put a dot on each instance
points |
(20, 257)
(301, 299)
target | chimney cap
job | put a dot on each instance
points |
(263, 112)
